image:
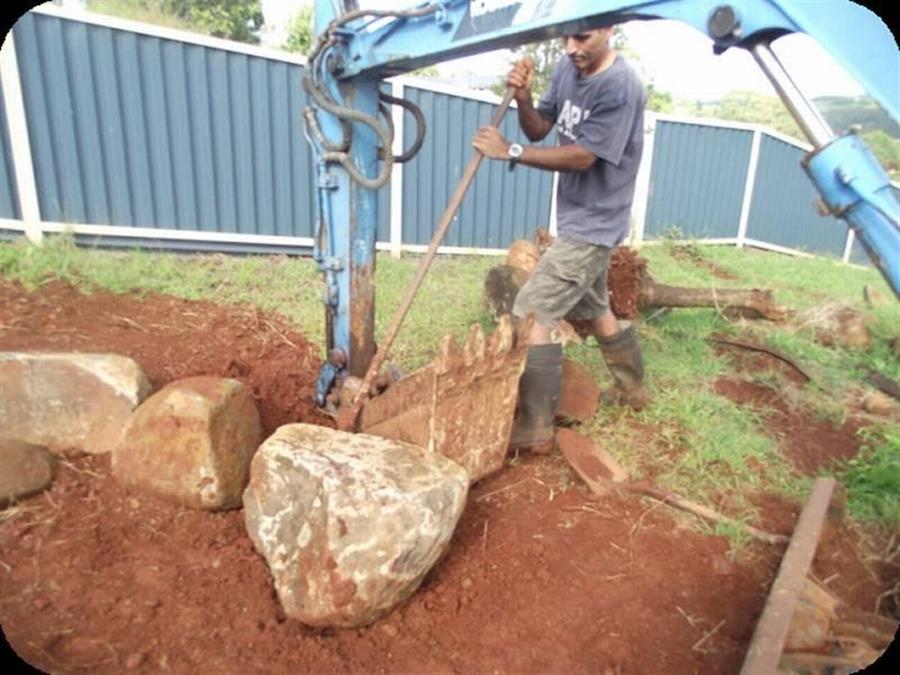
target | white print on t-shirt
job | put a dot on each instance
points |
(569, 118)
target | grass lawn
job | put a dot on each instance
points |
(697, 442)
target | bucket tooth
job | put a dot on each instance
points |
(447, 354)
(462, 404)
(473, 349)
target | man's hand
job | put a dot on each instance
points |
(490, 143)
(521, 77)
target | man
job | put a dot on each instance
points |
(596, 102)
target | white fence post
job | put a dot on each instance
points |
(396, 242)
(642, 183)
(747, 199)
(848, 247)
(552, 224)
(18, 140)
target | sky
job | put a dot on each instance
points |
(676, 57)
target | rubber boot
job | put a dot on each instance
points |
(539, 389)
(623, 358)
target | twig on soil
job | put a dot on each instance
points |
(484, 537)
(507, 487)
(892, 592)
(696, 646)
(584, 507)
(612, 577)
(70, 465)
(280, 334)
(758, 348)
(130, 322)
(640, 520)
(698, 510)
(14, 511)
(50, 500)
(691, 620)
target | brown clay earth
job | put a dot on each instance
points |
(541, 575)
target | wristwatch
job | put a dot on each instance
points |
(514, 152)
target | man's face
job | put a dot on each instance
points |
(587, 49)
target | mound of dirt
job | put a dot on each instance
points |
(626, 270)
(541, 576)
(171, 339)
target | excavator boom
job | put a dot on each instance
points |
(356, 48)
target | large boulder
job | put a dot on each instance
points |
(24, 470)
(192, 440)
(349, 524)
(68, 400)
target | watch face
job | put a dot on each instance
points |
(515, 150)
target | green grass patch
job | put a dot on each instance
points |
(872, 478)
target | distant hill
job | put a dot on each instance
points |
(842, 112)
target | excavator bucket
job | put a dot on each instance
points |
(462, 404)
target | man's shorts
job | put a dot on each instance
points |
(569, 282)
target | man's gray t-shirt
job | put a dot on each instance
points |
(604, 114)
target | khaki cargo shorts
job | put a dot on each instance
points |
(569, 282)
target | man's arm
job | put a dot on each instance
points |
(535, 125)
(572, 157)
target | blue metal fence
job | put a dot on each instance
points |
(9, 204)
(132, 129)
(500, 207)
(697, 180)
(783, 209)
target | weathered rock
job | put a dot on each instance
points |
(813, 616)
(24, 469)
(839, 326)
(349, 523)
(68, 400)
(192, 440)
(579, 394)
(877, 403)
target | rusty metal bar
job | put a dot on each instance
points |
(764, 653)
(347, 416)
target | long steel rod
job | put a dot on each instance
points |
(808, 117)
(764, 653)
(347, 416)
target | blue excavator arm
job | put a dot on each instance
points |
(356, 48)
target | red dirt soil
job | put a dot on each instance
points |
(541, 575)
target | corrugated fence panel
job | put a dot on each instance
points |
(136, 130)
(487, 217)
(9, 201)
(697, 180)
(783, 209)
(858, 254)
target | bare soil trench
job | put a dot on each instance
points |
(541, 575)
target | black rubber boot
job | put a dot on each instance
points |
(623, 358)
(539, 389)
